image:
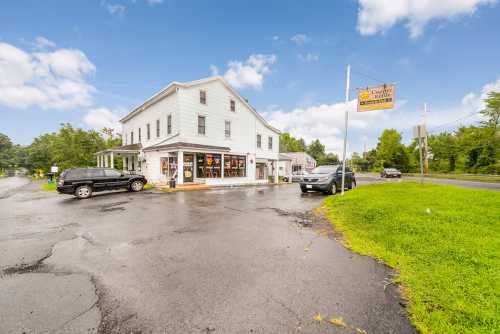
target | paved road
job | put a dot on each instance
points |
(239, 260)
(373, 178)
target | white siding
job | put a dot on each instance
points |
(160, 111)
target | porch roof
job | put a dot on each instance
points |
(187, 146)
(132, 148)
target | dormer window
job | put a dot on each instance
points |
(232, 105)
(203, 97)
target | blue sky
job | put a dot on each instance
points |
(88, 62)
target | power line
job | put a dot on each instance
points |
(369, 77)
(434, 128)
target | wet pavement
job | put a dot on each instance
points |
(232, 260)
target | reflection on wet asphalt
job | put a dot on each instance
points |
(231, 260)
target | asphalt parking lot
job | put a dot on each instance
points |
(240, 260)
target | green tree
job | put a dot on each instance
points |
(69, 147)
(316, 149)
(444, 150)
(288, 143)
(6, 152)
(328, 159)
(391, 152)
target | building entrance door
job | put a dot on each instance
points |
(188, 167)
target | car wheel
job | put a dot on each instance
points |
(333, 189)
(83, 192)
(136, 186)
(304, 190)
(285, 179)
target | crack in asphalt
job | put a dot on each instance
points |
(28, 267)
(304, 219)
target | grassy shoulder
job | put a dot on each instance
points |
(48, 187)
(480, 178)
(443, 240)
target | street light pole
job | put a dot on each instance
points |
(347, 84)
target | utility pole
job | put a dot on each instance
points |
(347, 84)
(420, 154)
(426, 153)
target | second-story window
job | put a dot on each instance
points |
(227, 129)
(139, 135)
(270, 143)
(169, 124)
(201, 125)
(259, 141)
(157, 128)
(131, 137)
(232, 105)
(148, 131)
(203, 97)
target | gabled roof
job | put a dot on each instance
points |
(171, 88)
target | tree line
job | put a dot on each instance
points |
(66, 148)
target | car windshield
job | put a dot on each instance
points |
(324, 169)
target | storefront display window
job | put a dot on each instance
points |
(235, 166)
(208, 165)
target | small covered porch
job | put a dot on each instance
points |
(129, 155)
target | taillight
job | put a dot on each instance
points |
(60, 183)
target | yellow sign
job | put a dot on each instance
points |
(376, 98)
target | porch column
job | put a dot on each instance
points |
(124, 161)
(105, 156)
(222, 165)
(180, 167)
(112, 160)
(275, 171)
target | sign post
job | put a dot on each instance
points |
(347, 84)
(419, 132)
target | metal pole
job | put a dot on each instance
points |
(426, 161)
(348, 79)
(420, 153)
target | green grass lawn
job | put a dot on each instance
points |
(48, 187)
(481, 178)
(443, 240)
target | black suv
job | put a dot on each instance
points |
(327, 179)
(81, 182)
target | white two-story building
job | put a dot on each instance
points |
(201, 131)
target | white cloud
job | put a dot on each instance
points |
(117, 9)
(153, 3)
(308, 57)
(248, 74)
(46, 80)
(43, 43)
(324, 122)
(100, 118)
(300, 39)
(376, 16)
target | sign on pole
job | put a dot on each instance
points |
(376, 98)
(419, 131)
(54, 169)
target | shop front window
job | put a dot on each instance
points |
(235, 165)
(208, 165)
